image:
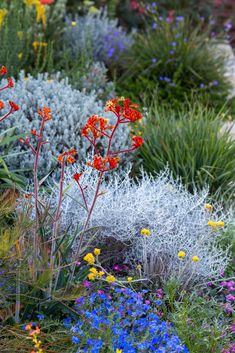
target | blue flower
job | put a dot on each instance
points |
(40, 317)
(75, 340)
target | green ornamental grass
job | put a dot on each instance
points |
(193, 145)
(174, 61)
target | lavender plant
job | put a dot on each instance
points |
(175, 219)
(97, 34)
(70, 108)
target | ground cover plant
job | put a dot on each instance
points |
(116, 220)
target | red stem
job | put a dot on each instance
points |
(123, 151)
(36, 184)
(83, 195)
(5, 87)
(6, 115)
(56, 223)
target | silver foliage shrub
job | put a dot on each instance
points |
(98, 35)
(95, 80)
(70, 110)
(176, 218)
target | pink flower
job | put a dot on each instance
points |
(86, 284)
(100, 292)
(230, 297)
(47, 2)
(159, 293)
(116, 268)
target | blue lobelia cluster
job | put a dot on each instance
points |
(121, 321)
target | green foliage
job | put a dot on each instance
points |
(55, 339)
(200, 323)
(9, 178)
(171, 61)
(192, 144)
(25, 43)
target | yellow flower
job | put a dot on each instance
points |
(145, 232)
(89, 258)
(195, 258)
(93, 10)
(20, 34)
(129, 279)
(3, 13)
(220, 224)
(20, 56)
(118, 350)
(73, 23)
(94, 271)
(181, 254)
(91, 276)
(97, 251)
(110, 279)
(41, 14)
(215, 224)
(101, 273)
(31, 2)
(208, 207)
(36, 44)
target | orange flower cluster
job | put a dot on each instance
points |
(67, 156)
(137, 141)
(104, 164)
(3, 71)
(77, 176)
(96, 125)
(124, 109)
(33, 330)
(14, 106)
(45, 113)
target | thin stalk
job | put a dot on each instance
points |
(56, 226)
(6, 115)
(87, 220)
(17, 308)
(36, 186)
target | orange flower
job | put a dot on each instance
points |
(33, 132)
(113, 162)
(98, 163)
(77, 176)
(14, 106)
(137, 141)
(123, 107)
(96, 125)
(3, 70)
(1, 105)
(28, 327)
(45, 113)
(35, 332)
(10, 82)
(71, 160)
(67, 156)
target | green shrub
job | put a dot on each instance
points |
(173, 61)
(25, 42)
(199, 319)
(192, 144)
